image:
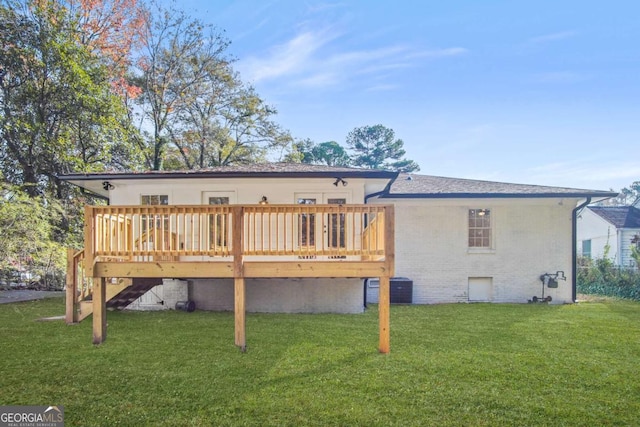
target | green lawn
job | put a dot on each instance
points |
(461, 364)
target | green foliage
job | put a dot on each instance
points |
(328, 153)
(193, 100)
(375, 147)
(58, 112)
(450, 365)
(626, 197)
(28, 238)
(602, 277)
(635, 252)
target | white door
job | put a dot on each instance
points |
(331, 229)
(480, 289)
(217, 234)
(153, 298)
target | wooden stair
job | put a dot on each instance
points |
(120, 295)
(129, 294)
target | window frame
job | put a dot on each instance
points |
(480, 228)
(218, 223)
(157, 222)
(589, 243)
(306, 223)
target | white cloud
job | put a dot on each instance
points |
(321, 7)
(289, 58)
(439, 53)
(312, 58)
(591, 173)
(560, 77)
(546, 38)
(382, 88)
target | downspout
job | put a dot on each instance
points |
(386, 190)
(574, 246)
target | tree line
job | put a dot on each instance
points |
(107, 85)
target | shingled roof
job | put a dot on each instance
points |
(619, 216)
(401, 185)
(425, 186)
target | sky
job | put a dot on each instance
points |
(533, 92)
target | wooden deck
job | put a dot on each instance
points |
(123, 243)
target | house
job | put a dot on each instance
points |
(305, 238)
(614, 227)
(463, 240)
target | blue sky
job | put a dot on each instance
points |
(539, 92)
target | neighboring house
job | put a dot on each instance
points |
(615, 227)
(309, 235)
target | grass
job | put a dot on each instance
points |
(463, 364)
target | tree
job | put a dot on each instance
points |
(194, 100)
(228, 123)
(626, 197)
(631, 194)
(375, 147)
(328, 153)
(57, 110)
(27, 236)
(111, 29)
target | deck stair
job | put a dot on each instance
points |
(120, 294)
(131, 293)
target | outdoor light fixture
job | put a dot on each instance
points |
(106, 185)
(340, 180)
(264, 201)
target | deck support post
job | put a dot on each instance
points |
(383, 314)
(239, 285)
(99, 310)
(240, 310)
(71, 311)
(384, 299)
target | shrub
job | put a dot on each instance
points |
(601, 277)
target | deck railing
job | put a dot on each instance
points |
(155, 233)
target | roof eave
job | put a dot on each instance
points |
(195, 175)
(604, 195)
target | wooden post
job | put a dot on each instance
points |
(239, 310)
(89, 245)
(389, 240)
(238, 274)
(384, 289)
(71, 312)
(383, 314)
(99, 310)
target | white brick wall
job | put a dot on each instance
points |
(174, 290)
(531, 237)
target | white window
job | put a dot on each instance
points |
(154, 199)
(154, 221)
(480, 228)
(336, 225)
(218, 224)
(586, 248)
(307, 224)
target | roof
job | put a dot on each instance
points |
(619, 216)
(425, 186)
(255, 170)
(401, 185)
